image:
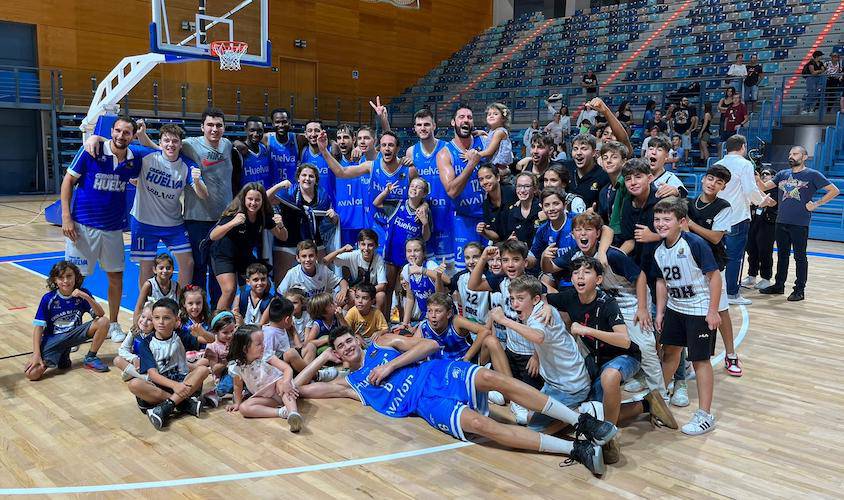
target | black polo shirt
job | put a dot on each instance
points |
(589, 186)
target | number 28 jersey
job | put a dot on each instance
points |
(684, 266)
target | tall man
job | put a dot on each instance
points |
(284, 146)
(797, 186)
(92, 234)
(740, 191)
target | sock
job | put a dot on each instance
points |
(282, 412)
(559, 411)
(131, 370)
(551, 444)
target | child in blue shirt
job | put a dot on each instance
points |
(59, 327)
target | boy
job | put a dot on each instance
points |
(59, 327)
(363, 265)
(560, 362)
(473, 306)
(690, 287)
(613, 156)
(659, 153)
(521, 356)
(367, 322)
(278, 333)
(637, 234)
(587, 178)
(709, 218)
(170, 386)
(624, 280)
(312, 277)
(595, 317)
(249, 305)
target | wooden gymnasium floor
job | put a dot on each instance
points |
(80, 432)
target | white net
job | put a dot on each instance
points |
(229, 53)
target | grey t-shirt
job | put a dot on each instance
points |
(795, 190)
(216, 166)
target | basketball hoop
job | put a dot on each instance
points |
(229, 53)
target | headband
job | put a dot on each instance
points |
(220, 316)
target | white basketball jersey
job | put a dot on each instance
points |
(684, 267)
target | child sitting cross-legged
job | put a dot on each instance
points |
(222, 326)
(364, 319)
(170, 384)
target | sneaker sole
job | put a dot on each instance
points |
(663, 412)
(613, 452)
(734, 374)
(674, 403)
(155, 421)
(295, 422)
(708, 430)
(91, 368)
(607, 438)
(598, 465)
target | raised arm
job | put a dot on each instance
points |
(616, 126)
(477, 283)
(454, 184)
(351, 172)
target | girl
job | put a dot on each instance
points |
(326, 317)
(301, 318)
(421, 278)
(497, 144)
(565, 124)
(159, 286)
(624, 113)
(217, 354)
(307, 208)
(498, 197)
(193, 304)
(237, 234)
(270, 381)
(410, 220)
(703, 134)
(520, 220)
(126, 360)
(558, 177)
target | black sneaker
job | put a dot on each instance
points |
(796, 296)
(191, 406)
(64, 361)
(773, 290)
(143, 405)
(596, 431)
(158, 415)
(589, 455)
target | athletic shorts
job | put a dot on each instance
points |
(723, 302)
(439, 245)
(465, 231)
(349, 236)
(625, 364)
(518, 366)
(145, 238)
(54, 347)
(539, 421)
(95, 245)
(683, 330)
(449, 389)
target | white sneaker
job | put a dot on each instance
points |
(680, 397)
(701, 423)
(212, 400)
(763, 284)
(495, 397)
(326, 374)
(748, 282)
(594, 408)
(738, 300)
(116, 333)
(634, 385)
(520, 413)
(126, 376)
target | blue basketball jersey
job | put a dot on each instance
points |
(546, 235)
(284, 157)
(421, 286)
(59, 314)
(398, 395)
(327, 180)
(441, 209)
(454, 346)
(402, 225)
(349, 203)
(469, 203)
(257, 167)
(379, 178)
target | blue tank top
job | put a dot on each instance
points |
(398, 395)
(326, 176)
(469, 203)
(257, 167)
(426, 165)
(401, 226)
(454, 347)
(379, 178)
(325, 327)
(422, 287)
(284, 157)
(349, 203)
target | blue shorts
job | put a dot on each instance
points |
(394, 251)
(145, 238)
(465, 231)
(450, 389)
(539, 421)
(349, 236)
(439, 245)
(625, 364)
(381, 232)
(56, 346)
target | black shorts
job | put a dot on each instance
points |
(518, 365)
(680, 329)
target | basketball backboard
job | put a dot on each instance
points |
(184, 29)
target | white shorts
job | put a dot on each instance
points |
(95, 245)
(723, 304)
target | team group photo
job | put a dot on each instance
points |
(417, 248)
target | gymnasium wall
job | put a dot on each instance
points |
(389, 47)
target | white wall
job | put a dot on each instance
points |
(502, 10)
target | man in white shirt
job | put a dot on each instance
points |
(738, 71)
(528, 135)
(555, 128)
(741, 191)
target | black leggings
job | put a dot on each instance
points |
(760, 248)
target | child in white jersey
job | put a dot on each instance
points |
(270, 380)
(159, 286)
(250, 304)
(127, 360)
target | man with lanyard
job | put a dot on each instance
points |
(456, 164)
(424, 156)
(92, 234)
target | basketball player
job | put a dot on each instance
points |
(92, 234)
(350, 192)
(255, 156)
(457, 174)
(284, 146)
(424, 155)
(393, 379)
